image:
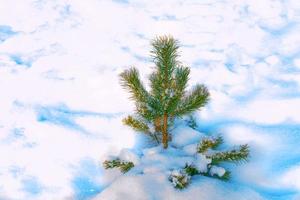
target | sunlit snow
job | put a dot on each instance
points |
(61, 103)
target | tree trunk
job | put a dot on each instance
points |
(157, 124)
(165, 132)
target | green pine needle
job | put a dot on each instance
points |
(179, 84)
(181, 78)
(117, 163)
(236, 155)
(125, 167)
(136, 124)
(130, 80)
(191, 170)
(165, 53)
(196, 99)
(209, 143)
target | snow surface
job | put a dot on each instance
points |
(129, 156)
(158, 187)
(183, 136)
(215, 170)
(202, 162)
(61, 104)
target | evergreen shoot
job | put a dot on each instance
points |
(236, 155)
(124, 166)
(209, 143)
(180, 179)
(168, 98)
(191, 170)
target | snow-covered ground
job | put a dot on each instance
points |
(61, 104)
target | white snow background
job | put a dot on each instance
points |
(61, 104)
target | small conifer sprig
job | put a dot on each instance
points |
(139, 125)
(180, 179)
(124, 166)
(209, 143)
(136, 124)
(236, 155)
(191, 170)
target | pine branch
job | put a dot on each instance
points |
(235, 155)
(156, 93)
(209, 143)
(191, 170)
(126, 166)
(136, 124)
(156, 82)
(179, 84)
(145, 111)
(181, 78)
(143, 101)
(117, 163)
(130, 80)
(139, 125)
(197, 98)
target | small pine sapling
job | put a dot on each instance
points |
(168, 98)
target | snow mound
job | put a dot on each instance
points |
(190, 149)
(129, 156)
(183, 136)
(157, 186)
(152, 151)
(152, 169)
(156, 171)
(164, 160)
(202, 162)
(215, 170)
